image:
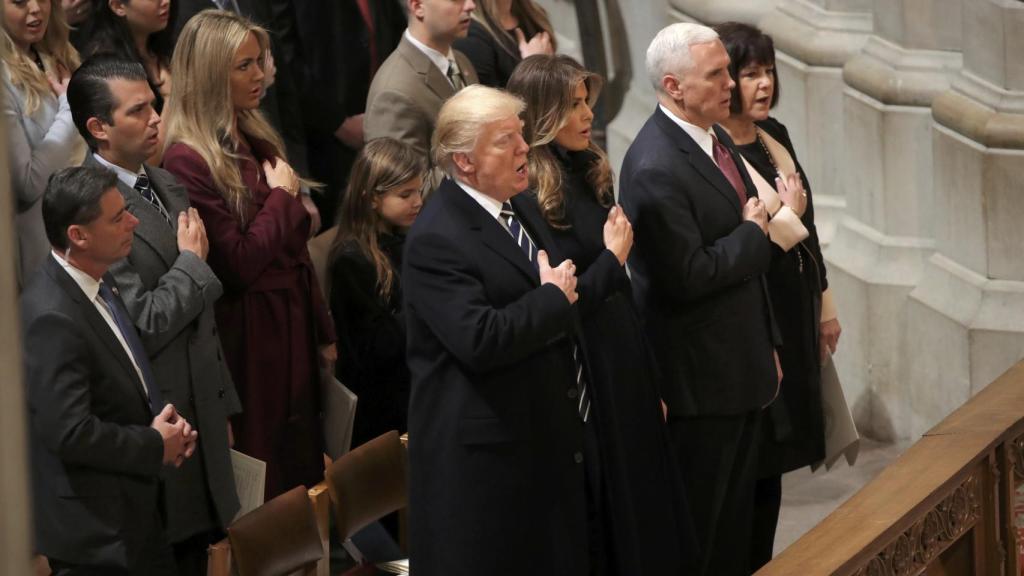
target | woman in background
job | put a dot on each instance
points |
(38, 61)
(274, 324)
(645, 522)
(503, 33)
(137, 30)
(382, 201)
(793, 433)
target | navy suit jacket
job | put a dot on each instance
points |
(95, 460)
(496, 456)
(698, 274)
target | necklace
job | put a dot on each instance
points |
(39, 60)
(767, 154)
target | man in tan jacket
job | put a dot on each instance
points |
(423, 72)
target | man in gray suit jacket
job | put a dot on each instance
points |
(169, 291)
(411, 85)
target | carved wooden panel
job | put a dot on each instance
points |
(911, 552)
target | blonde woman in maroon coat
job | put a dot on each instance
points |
(273, 320)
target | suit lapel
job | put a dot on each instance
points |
(97, 324)
(699, 159)
(432, 77)
(492, 233)
(152, 228)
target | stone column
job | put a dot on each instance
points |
(713, 12)
(966, 315)
(880, 248)
(15, 526)
(813, 40)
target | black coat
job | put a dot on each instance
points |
(371, 339)
(496, 442)
(96, 462)
(698, 272)
(794, 429)
(492, 61)
(647, 516)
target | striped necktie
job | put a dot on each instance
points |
(455, 76)
(519, 233)
(530, 249)
(143, 188)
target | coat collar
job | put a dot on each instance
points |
(492, 233)
(97, 324)
(701, 162)
(422, 65)
(152, 228)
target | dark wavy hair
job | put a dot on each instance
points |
(747, 45)
(113, 37)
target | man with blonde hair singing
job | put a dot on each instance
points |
(497, 482)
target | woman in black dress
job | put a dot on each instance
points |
(503, 33)
(382, 200)
(646, 524)
(793, 433)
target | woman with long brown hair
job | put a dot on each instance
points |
(273, 321)
(646, 522)
(382, 201)
(37, 61)
(502, 34)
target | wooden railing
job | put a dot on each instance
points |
(945, 507)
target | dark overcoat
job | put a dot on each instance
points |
(496, 441)
(271, 318)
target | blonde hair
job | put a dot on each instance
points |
(382, 165)
(54, 49)
(199, 111)
(463, 117)
(548, 83)
(531, 17)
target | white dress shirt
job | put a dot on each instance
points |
(701, 136)
(91, 287)
(492, 206)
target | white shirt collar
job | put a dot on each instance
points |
(439, 60)
(126, 176)
(491, 205)
(87, 283)
(701, 136)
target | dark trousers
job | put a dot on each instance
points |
(718, 463)
(156, 559)
(767, 502)
(598, 534)
(191, 555)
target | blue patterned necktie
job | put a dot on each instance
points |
(131, 338)
(530, 249)
(143, 188)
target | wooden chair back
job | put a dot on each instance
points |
(368, 483)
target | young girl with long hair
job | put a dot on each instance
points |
(274, 324)
(37, 61)
(645, 521)
(382, 200)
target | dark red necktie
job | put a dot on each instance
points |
(364, 9)
(728, 167)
